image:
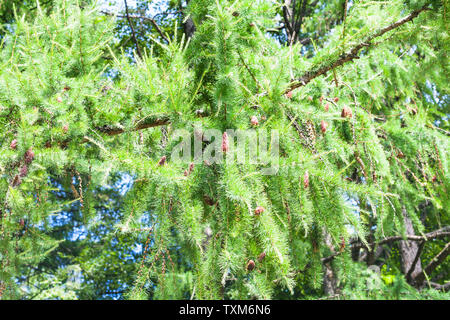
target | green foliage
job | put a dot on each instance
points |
(71, 93)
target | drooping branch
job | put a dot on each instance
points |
(353, 53)
(302, 81)
(355, 244)
(435, 262)
(148, 122)
(437, 286)
(145, 123)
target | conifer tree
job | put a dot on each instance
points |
(356, 206)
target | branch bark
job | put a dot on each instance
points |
(151, 20)
(302, 81)
(436, 234)
(409, 250)
(353, 53)
(435, 262)
(133, 33)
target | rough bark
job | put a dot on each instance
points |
(409, 250)
(329, 277)
(293, 13)
(435, 262)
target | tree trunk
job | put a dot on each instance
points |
(409, 250)
(329, 277)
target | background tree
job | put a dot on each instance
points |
(358, 91)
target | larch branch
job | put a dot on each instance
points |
(353, 53)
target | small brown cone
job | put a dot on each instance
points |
(346, 112)
(13, 144)
(306, 180)
(289, 94)
(162, 161)
(225, 143)
(250, 265)
(261, 256)
(259, 210)
(29, 156)
(323, 126)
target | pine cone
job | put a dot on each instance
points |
(29, 156)
(346, 112)
(208, 200)
(259, 210)
(23, 171)
(13, 144)
(250, 265)
(261, 256)
(225, 142)
(289, 94)
(162, 161)
(16, 182)
(306, 180)
(323, 126)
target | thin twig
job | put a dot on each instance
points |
(151, 20)
(132, 30)
(353, 54)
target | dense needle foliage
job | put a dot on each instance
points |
(89, 106)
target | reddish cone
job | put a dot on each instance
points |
(306, 180)
(29, 156)
(250, 265)
(327, 106)
(13, 144)
(323, 126)
(17, 181)
(346, 112)
(254, 121)
(289, 94)
(59, 99)
(259, 210)
(23, 171)
(225, 143)
(162, 161)
(261, 256)
(336, 99)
